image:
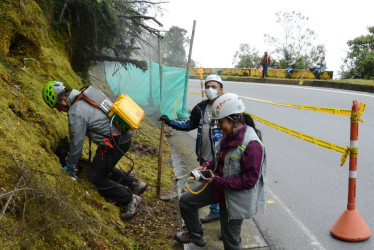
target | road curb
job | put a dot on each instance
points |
(301, 82)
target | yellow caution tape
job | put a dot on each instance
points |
(328, 145)
(335, 111)
(355, 117)
(194, 93)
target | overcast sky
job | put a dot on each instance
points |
(221, 25)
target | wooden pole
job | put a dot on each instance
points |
(160, 63)
(188, 64)
(150, 99)
(159, 169)
(191, 45)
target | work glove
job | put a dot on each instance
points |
(166, 119)
(72, 172)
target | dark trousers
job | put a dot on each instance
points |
(109, 180)
(189, 207)
(316, 72)
(264, 70)
(214, 208)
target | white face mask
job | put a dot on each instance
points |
(211, 93)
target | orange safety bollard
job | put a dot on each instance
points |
(202, 89)
(201, 71)
(350, 226)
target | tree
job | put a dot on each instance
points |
(359, 62)
(246, 57)
(296, 40)
(173, 44)
(96, 30)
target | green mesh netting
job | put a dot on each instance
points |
(144, 87)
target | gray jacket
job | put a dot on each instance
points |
(322, 66)
(292, 63)
(86, 120)
(243, 204)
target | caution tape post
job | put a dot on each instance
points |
(201, 71)
(350, 226)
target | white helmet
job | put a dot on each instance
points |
(214, 77)
(227, 104)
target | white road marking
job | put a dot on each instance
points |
(304, 229)
(304, 87)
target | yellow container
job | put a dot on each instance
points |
(128, 113)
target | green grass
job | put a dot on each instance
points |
(357, 81)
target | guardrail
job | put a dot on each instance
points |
(277, 73)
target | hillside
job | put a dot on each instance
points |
(41, 206)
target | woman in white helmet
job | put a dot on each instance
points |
(238, 176)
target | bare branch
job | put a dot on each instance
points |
(63, 10)
(137, 63)
(147, 2)
(10, 198)
(13, 191)
(142, 17)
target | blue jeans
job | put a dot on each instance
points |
(214, 209)
(264, 70)
(288, 71)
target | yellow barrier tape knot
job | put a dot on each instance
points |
(344, 156)
(352, 152)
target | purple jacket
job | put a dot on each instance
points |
(250, 163)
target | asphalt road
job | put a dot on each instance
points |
(307, 188)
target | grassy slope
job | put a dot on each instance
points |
(41, 206)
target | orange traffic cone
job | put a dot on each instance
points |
(350, 226)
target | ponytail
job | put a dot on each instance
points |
(247, 119)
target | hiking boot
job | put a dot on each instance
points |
(129, 211)
(209, 218)
(186, 237)
(71, 171)
(139, 187)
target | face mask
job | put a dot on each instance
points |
(211, 93)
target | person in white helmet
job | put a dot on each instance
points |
(238, 176)
(208, 134)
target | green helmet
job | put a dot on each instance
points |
(51, 91)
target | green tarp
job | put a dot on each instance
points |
(144, 87)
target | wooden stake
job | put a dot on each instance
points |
(159, 170)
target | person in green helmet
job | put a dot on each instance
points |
(87, 120)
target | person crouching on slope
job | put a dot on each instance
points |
(85, 119)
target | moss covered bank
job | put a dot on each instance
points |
(41, 207)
